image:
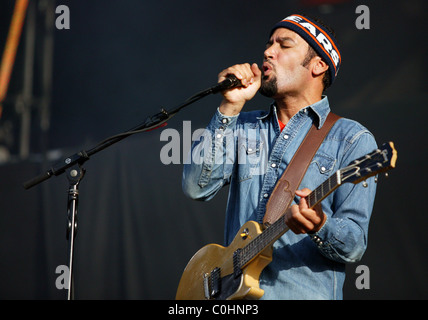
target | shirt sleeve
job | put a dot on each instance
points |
(343, 237)
(210, 162)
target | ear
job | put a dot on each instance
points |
(319, 66)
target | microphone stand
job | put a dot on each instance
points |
(75, 172)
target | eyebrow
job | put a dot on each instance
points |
(281, 39)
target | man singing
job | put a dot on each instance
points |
(249, 151)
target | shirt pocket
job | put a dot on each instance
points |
(249, 159)
(323, 164)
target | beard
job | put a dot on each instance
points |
(269, 88)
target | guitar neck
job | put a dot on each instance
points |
(279, 227)
(324, 189)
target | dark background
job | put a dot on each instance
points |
(120, 62)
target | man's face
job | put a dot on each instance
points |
(283, 72)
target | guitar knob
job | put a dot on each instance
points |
(245, 234)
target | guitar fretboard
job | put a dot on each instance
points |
(262, 241)
(279, 227)
(323, 190)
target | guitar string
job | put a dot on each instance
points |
(270, 233)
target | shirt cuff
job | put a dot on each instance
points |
(225, 121)
(324, 238)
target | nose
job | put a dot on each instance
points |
(269, 52)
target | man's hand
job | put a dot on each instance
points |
(234, 99)
(301, 219)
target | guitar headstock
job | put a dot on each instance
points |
(378, 161)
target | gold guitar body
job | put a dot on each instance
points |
(192, 285)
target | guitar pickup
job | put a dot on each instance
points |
(215, 282)
(212, 283)
(237, 263)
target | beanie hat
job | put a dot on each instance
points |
(319, 38)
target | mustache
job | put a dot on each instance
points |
(267, 64)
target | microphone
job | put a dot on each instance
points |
(230, 82)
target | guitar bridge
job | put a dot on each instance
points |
(207, 285)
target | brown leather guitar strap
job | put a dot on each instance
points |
(284, 190)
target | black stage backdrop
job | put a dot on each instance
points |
(120, 62)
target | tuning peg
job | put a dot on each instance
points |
(375, 179)
(386, 174)
(365, 185)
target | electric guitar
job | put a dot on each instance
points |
(228, 273)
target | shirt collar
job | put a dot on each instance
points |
(321, 109)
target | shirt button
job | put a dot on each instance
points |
(219, 136)
(224, 120)
(273, 165)
(265, 195)
(323, 169)
(286, 136)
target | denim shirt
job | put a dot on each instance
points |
(249, 153)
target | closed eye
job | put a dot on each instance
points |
(285, 42)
